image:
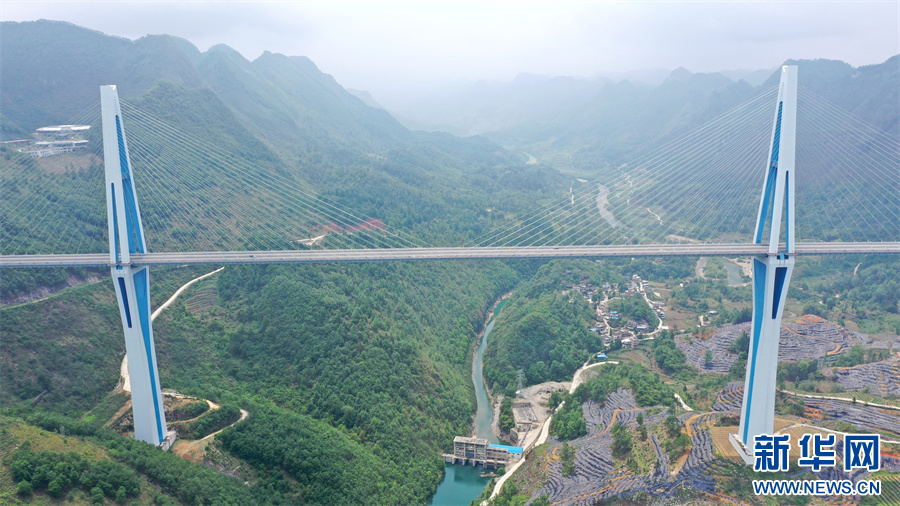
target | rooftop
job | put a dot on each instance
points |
(63, 128)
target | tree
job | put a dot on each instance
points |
(673, 426)
(707, 358)
(621, 445)
(538, 372)
(816, 309)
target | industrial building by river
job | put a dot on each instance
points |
(472, 450)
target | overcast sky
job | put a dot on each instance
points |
(378, 45)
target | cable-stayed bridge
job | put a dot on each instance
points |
(693, 196)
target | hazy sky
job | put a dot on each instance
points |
(378, 45)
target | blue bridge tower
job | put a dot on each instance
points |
(771, 272)
(131, 282)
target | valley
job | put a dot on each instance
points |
(344, 383)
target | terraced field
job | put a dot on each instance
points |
(881, 378)
(203, 300)
(809, 337)
(867, 418)
(596, 476)
(599, 477)
(729, 399)
(722, 360)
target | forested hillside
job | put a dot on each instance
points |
(366, 368)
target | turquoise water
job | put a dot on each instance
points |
(462, 484)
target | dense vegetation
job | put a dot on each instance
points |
(327, 466)
(669, 358)
(212, 421)
(568, 422)
(863, 289)
(58, 472)
(69, 346)
(187, 482)
(506, 420)
(858, 354)
(188, 411)
(380, 351)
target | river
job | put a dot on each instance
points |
(733, 271)
(602, 203)
(462, 484)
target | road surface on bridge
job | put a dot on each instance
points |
(458, 253)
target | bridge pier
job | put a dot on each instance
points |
(131, 282)
(771, 272)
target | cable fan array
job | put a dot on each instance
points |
(194, 196)
(197, 195)
(55, 204)
(705, 186)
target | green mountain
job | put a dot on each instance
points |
(52, 70)
(357, 377)
(583, 123)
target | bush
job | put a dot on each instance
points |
(24, 488)
(212, 421)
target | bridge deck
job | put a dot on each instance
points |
(412, 254)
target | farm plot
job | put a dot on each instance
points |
(881, 378)
(721, 361)
(811, 337)
(863, 417)
(729, 398)
(596, 476)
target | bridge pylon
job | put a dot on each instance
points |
(131, 282)
(772, 271)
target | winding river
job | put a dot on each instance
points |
(462, 484)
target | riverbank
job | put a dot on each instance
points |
(462, 484)
(484, 422)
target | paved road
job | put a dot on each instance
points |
(413, 254)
